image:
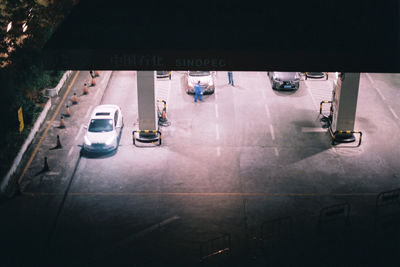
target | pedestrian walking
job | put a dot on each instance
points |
(230, 78)
(198, 92)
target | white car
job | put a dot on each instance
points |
(104, 129)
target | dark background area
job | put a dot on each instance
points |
(360, 36)
(249, 35)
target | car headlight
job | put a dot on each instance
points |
(210, 83)
(87, 141)
(190, 83)
(110, 140)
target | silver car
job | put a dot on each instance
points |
(206, 79)
(284, 80)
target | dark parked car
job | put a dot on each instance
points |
(316, 75)
(284, 80)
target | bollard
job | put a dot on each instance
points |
(74, 99)
(85, 89)
(93, 82)
(58, 145)
(96, 73)
(62, 123)
(163, 116)
(67, 112)
(46, 165)
(58, 142)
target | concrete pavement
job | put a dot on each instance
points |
(244, 156)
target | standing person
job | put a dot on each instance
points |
(230, 77)
(198, 92)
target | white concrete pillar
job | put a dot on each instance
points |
(344, 105)
(146, 102)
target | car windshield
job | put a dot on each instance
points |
(101, 125)
(199, 73)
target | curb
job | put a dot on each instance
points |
(5, 183)
(52, 92)
(24, 147)
(49, 92)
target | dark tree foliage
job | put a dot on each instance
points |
(22, 76)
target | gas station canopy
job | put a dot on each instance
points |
(347, 36)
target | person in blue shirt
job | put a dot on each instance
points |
(230, 78)
(198, 92)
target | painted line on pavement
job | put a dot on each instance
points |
(263, 93)
(216, 111)
(312, 97)
(48, 127)
(191, 194)
(393, 112)
(70, 151)
(51, 173)
(88, 111)
(218, 151)
(97, 93)
(79, 132)
(147, 230)
(276, 151)
(380, 93)
(369, 78)
(217, 131)
(267, 110)
(272, 131)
